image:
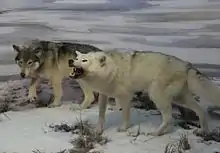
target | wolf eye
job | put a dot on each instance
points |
(84, 60)
(30, 62)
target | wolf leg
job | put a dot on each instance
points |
(166, 112)
(162, 92)
(32, 93)
(162, 100)
(125, 104)
(88, 98)
(57, 90)
(191, 103)
(102, 109)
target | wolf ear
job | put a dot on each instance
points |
(78, 53)
(16, 48)
(38, 52)
(102, 60)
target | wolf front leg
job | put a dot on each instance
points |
(125, 103)
(88, 97)
(32, 93)
(56, 83)
(102, 109)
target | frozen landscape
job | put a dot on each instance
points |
(189, 29)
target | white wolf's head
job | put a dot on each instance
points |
(93, 64)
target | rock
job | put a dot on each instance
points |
(141, 100)
(214, 111)
(13, 94)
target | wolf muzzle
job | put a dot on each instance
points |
(77, 73)
(22, 75)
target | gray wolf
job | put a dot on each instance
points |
(40, 58)
(165, 78)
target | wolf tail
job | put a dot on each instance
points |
(203, 86)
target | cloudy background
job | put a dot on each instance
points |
(188, 29)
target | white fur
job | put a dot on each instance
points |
(36, 66)
(167, 79)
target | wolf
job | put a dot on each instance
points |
(167, 79)
(40, 58)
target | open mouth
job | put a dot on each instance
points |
(77, 73)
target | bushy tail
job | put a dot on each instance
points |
(203, 86)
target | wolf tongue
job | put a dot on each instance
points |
(79, 70)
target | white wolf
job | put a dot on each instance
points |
(166, 78)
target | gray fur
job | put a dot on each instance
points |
(40, 58)
(40, 50)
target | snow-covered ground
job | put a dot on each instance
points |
(28, 130)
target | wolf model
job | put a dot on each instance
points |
(166, 78)
(39, 58)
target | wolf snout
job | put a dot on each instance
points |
(22, 75)
(71, 63)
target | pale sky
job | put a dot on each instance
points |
(18, 3)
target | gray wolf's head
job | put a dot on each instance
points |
(29, 58)
(93, 64)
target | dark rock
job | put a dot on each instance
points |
(44, 99)
(214, 135)
(186, 113)
(214, 111)
(14, 94)
(141, 100)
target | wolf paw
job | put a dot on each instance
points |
(52, 105)
(99, 129)
(122, 128)
(200, 132)
(74, 107)
(32, 98)
(154, 133)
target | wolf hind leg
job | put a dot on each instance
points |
(88, 98)
(162, 92)
(189, 101)
(57, 90)
(162, 95)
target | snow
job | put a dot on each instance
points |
(29, 130)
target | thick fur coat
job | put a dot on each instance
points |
(39, 58)
(166, 78)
